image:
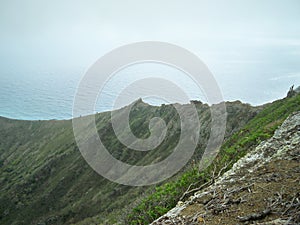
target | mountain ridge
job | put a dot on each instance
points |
(44, 179)
(44, 171)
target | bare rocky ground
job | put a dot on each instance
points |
(262, 188)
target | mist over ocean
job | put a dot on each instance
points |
(252, 49)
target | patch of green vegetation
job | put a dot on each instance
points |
(260, 128)
(163, 198)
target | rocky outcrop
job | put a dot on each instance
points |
(261, 188)
(292, 92)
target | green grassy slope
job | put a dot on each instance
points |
(45, 180)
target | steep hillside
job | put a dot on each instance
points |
(260, 128)
(261, 188)
(45, 180)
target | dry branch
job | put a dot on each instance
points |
(255, 216)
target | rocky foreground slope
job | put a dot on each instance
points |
(261, 188)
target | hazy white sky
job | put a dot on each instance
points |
(244, 43)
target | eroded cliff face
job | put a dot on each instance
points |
(261, 188)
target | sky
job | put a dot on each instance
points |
(252, 47)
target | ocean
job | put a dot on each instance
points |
(40, 95)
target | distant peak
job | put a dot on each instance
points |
(140, 101)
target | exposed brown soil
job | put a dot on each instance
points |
(263, 188)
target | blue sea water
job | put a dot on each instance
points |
(36, 95)
(50, 95)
